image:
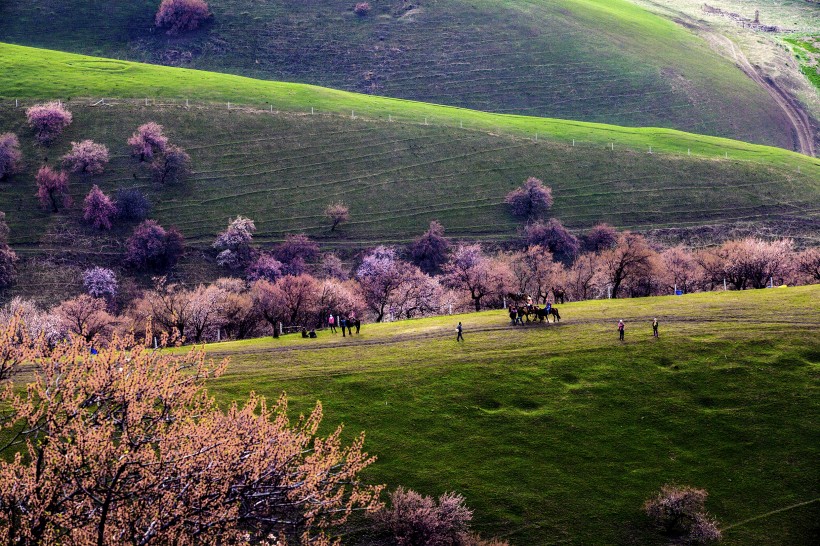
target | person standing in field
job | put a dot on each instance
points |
(621, 327)
(655, 327)
(332, 323)
(342, 324)
(459, 335)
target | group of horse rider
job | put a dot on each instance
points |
(520, 312)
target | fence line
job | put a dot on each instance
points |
(248, 108)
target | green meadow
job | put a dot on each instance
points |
(557, 433)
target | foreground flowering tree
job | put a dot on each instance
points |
(126, 447)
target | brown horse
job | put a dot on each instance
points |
(542, 314)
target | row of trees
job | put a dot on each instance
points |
(294, 285)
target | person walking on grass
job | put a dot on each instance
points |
(459, 335)
(332, 323)
(655, 327)
(342, 324)
(621, 330)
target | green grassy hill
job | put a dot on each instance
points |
(595, 60)
(282, 167)
(557, 434)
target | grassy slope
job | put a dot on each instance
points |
(807, 51)
(34, 73)
(596, 60)
(557, 434)
(282, 169)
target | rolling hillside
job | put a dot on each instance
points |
(595, 60)
(398, 165)
(557, 434)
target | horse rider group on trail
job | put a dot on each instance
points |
(520, 312)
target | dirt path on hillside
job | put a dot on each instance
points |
(801, 124)
(798, 118)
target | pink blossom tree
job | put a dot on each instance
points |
(582, 277)
(337, 213)
(599, 238)
(630, 258)
(234, 244)
(10, 155)
(152, 246)
(808, 264)
(8, 258)
(535, 273)
(553, 236)
(130, 448)
(132, 204)
(180, 16)
(413, 519)
(532, 200)
(472, 271)
(300, 299)
(429, 252)
(362, 8)
(86, 157)
(239, 318)
(48, 121)
(295, 251)
(681, 512)
(339, 297)
(681, 270)
(52, 189)
(147, 141)
(8, 269)
(100, 282)
(269, 302)
(418, 295)
(380, 275)
(748, 262)
(85, 316)
(4, 229)
(98, 209)
(171, 166)
(265, 267)
(332, 267)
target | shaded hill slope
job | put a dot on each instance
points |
(596, 60)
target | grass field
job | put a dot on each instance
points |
(556, 434)
(595, 60)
